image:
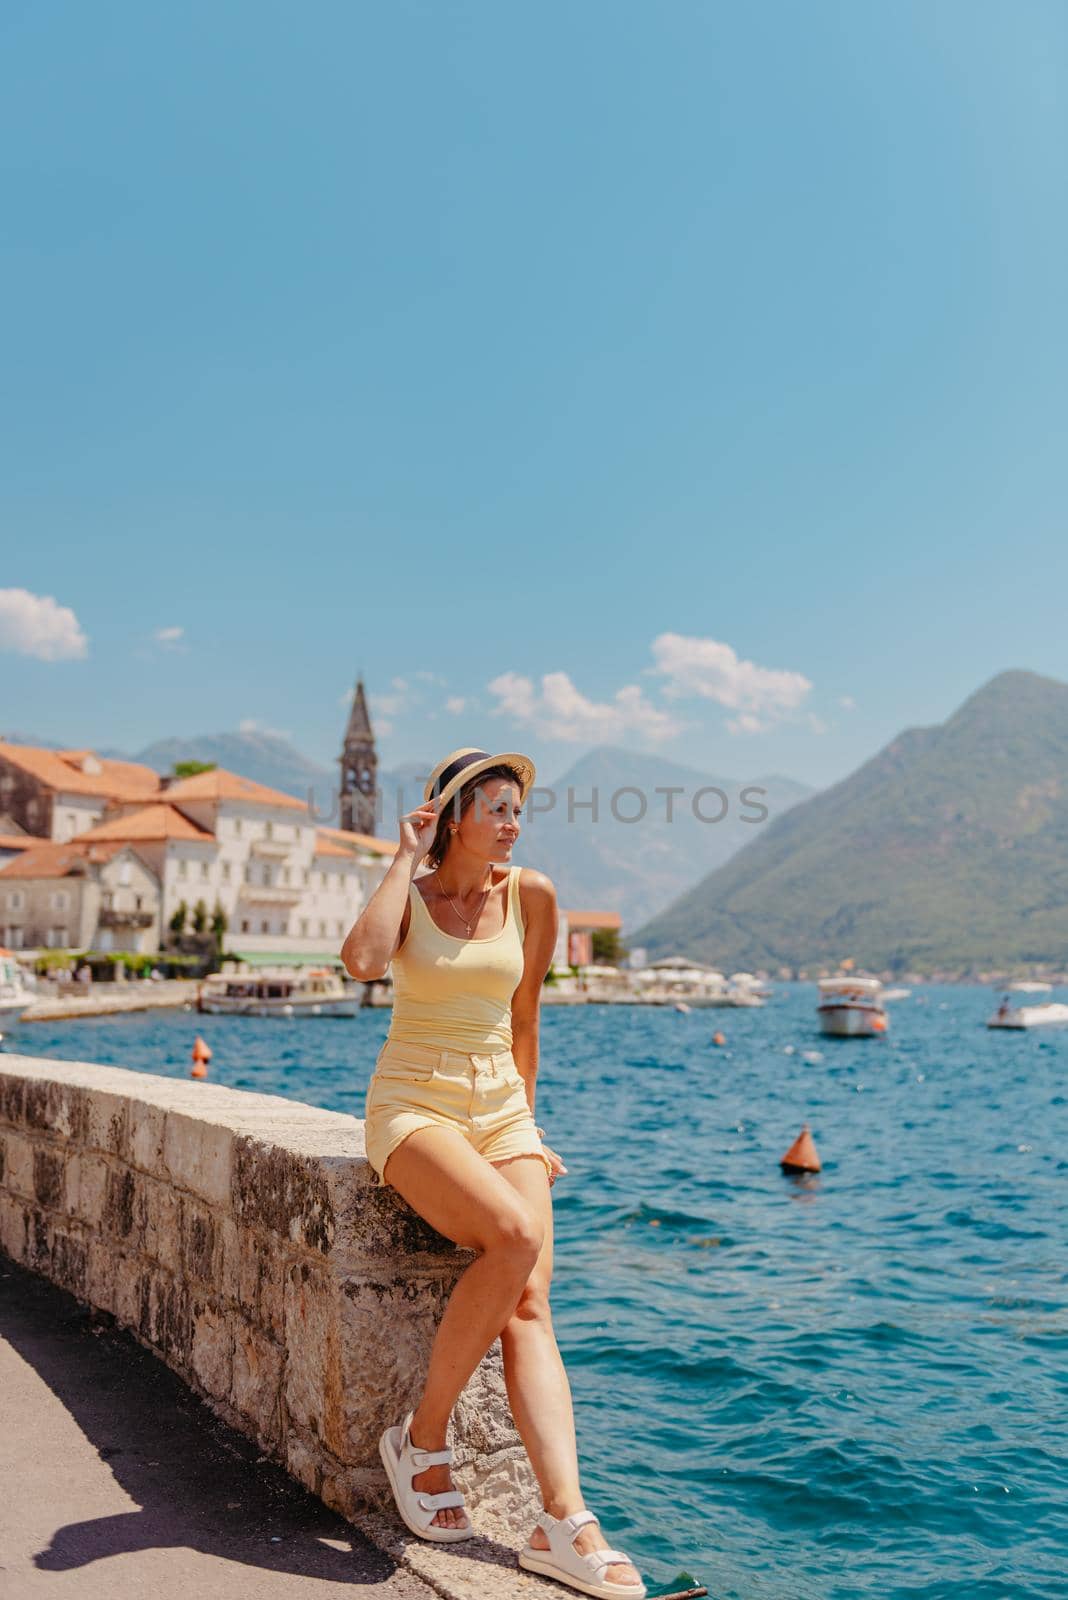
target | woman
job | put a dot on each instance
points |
(450, 1126)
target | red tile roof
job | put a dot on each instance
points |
(219, 784)
(18, 841)
(592, 919)
(153, 822)
(328, 847)
(61, 771)
(51, 860)
(362, 841)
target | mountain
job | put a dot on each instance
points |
(637, 867)
(263, 757)
(947, 851)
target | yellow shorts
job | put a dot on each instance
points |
(481, 1096)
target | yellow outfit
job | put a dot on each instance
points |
(448, 1056)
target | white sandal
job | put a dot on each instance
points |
(402, 1460)
(564, 1563)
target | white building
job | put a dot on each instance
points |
(289, 888)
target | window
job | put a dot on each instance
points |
(204, 870)
(226, 872)
(322, 930)
(304, 927)
(59, 900)
(307, 876)
(285, 874)
(57, 938)
(138, 901)
(182, 868)
(340, 929)
(237, 827)
(268, 830)
(244, 925)
(13, 939)
(124, 873)
(15, 900)
(265, 926)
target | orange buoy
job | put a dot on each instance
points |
(719, 1038)
(801, 1156)
(201, 1057)
(878, 1023)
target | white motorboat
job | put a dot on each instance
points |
(896, 994)
(278, 992)
(851, 1007)
(16, 996)
(1051, 1014)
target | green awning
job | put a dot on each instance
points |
(285, 958)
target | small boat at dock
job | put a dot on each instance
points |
(281, 992)
(16, 996)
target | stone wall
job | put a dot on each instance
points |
(238, 1236)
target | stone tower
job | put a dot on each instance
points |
(359, 769)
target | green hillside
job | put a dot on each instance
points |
(946, 851)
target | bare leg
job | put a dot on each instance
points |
(458, 1192)
(538, 1390)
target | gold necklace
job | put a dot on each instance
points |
(455, 907)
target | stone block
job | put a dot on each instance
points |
(198, 1156)
(257, 1381)
(211, 1348)
(106, 1123)
(201, 1243)
(18, 1164)
(90, 1172)
(283, 1192)
(12, 1100)
(100, 1275)
(58, 1108)
(13, 1228)
(49, 1176)
(145, 1127)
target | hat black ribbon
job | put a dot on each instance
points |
(453, 768)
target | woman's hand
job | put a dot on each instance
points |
(557, 1164)
(417, 829)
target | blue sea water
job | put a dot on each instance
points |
(822, 1387)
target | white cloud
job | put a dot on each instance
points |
(37, 625)
(847, 702)
(430, 677)
(560, 711)
(817, 724)
(250, 725)
(455, 704)
(170, 638)
(399, 683)
(387, 704)
(746, 723)
(711, 670)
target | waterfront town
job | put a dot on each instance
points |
(109, 867)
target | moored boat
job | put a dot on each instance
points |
(280, 992)
(851, 1007)
(1051, 1014)
(15, 994)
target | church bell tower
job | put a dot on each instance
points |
(359, 769)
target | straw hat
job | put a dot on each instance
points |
(463, 765)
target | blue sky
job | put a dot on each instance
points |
(690, 377)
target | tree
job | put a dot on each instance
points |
(607, 949)
(189, 769)
(219, 925)
(177, 922)
(200, 917)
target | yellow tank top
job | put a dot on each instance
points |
(457, 993)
